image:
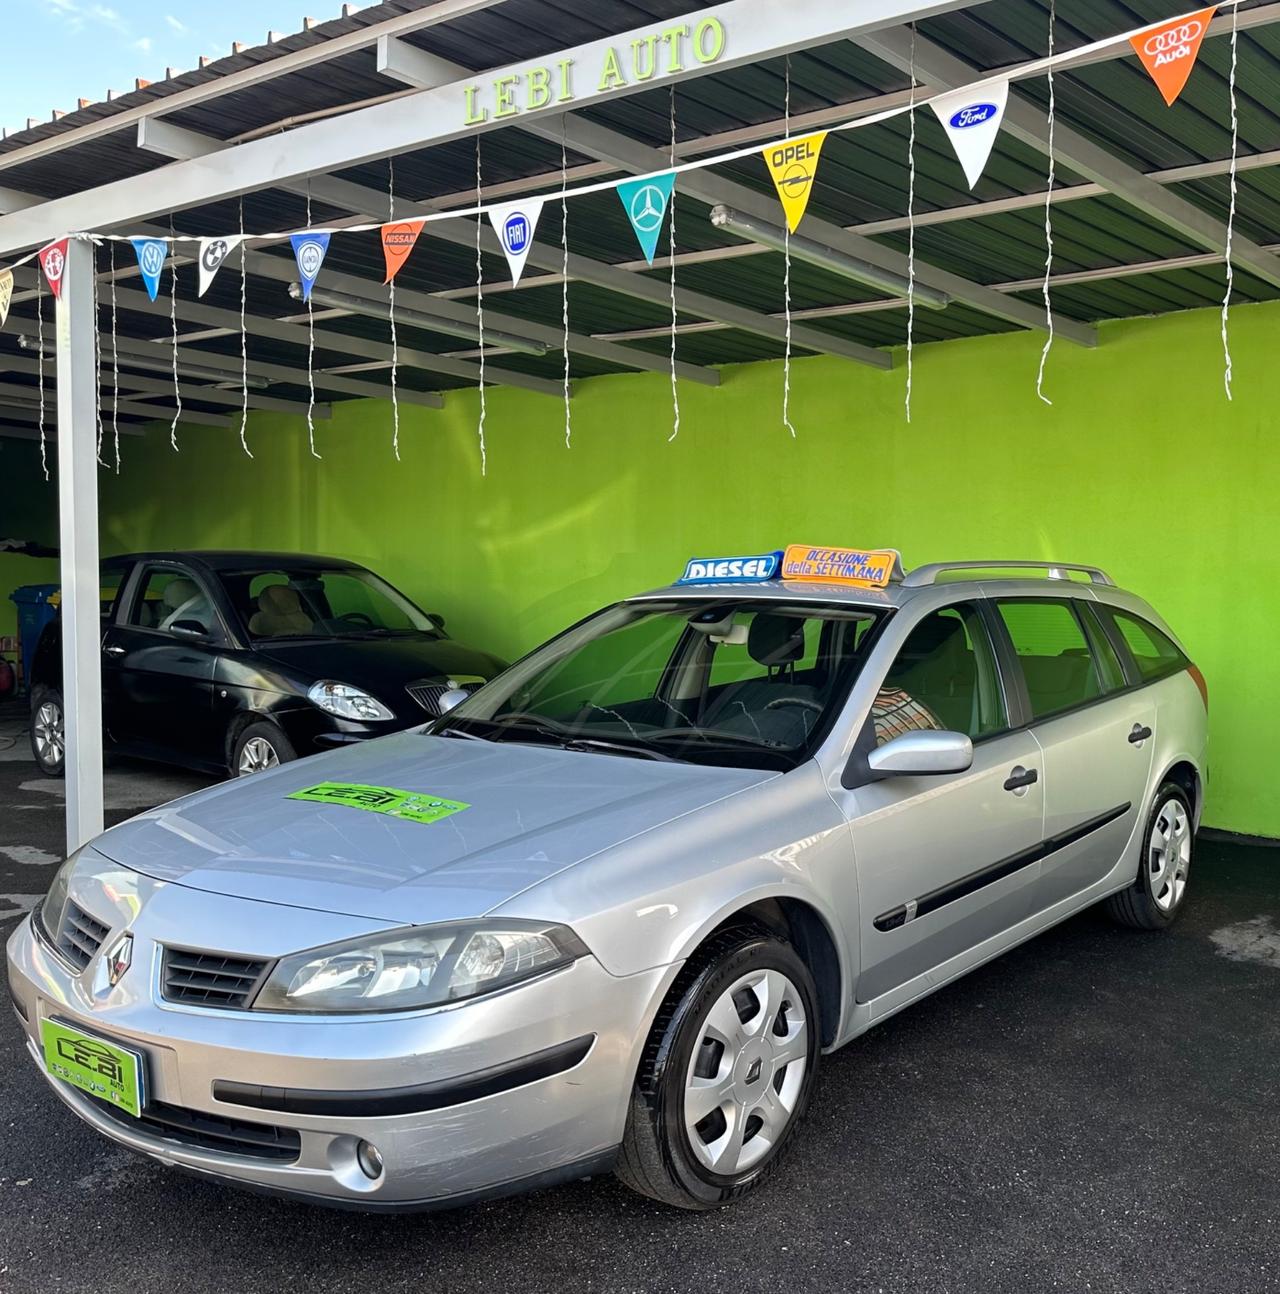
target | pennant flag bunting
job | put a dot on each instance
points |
(309, 250)
(645, 202)
(972, 123)
(53, 260)
(514, 223)
(793, 164)
(6, 295)
(151, 254)
(213, 254)
(1169, 52)
(398, 241)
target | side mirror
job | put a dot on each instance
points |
(188, 629)
(436, 619)
(454, 696)
(922, 754)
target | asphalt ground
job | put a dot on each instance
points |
(1098, 1110)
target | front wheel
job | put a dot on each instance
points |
(259, 747)
(48, 731)
(727, 1075)
(1155, 898)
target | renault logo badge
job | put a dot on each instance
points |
(119, 959)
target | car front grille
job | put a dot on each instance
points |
(428, 695)
(80, 935)
(210, 979)
(208, 1131)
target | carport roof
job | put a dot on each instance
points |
(1141, 246)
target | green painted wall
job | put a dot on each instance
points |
(1141, 465)
(28, 510)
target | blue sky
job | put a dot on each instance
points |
(59, 51)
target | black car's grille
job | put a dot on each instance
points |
(210, 979)
(209, 1131)
(80, 935)
(428, 695)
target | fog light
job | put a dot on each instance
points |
(369, 1157)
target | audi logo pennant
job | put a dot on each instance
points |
(1169, 52)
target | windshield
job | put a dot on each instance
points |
(751, 683)
(308, 602)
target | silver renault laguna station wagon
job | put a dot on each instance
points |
(609, 911)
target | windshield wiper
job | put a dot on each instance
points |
(714, 737)
(620, 748)
(459, 732)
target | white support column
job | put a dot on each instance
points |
(78, 533)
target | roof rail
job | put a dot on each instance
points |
(923, 575)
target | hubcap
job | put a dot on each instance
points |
(258, 754)
(1169, 855)
(49, 734)
(747, 1072)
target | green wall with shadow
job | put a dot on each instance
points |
(1140, 465)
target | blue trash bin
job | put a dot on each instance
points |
(35, 610)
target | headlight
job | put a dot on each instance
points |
(347, 702)
(426, 967)
(49, 913)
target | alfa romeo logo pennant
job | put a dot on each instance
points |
(309, 250)
(53, 261)
(645, 202)
(793, 164)
(514, 223)
(1169, 52)
(213, 255)
(972, 122)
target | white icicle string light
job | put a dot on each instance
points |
(564, 272)
(311, 356)
(786, 272)
(1048, 219)
(173, 328)
(484, 458)
(44, 448)
(911, 229)
(115, 364)
(97, 351)
(244, 338)
(395, 345)
(1231, 211)
(671, 236)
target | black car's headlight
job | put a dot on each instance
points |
(428, 966)
(347, 702)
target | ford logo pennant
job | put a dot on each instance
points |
(973, 114)
(972, 124)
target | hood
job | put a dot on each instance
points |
(381, 666)
(532, 811)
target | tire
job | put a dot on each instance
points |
(1154, 900)
(702, 1046)
(260, 745)
(48, 731)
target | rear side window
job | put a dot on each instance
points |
(1053, 650)
(1153, 652)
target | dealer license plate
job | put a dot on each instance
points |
(103, 1069)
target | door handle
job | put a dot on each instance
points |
(1020, 778)
(113, 651)
(1139, 734)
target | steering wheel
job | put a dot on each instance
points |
(803, 702)
(358, 618)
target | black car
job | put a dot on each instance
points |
(240, 661)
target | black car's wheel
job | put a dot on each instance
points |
(260, 746)
(1155, 898)
(48, 731)
(727, 1074)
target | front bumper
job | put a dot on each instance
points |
(523, 1088)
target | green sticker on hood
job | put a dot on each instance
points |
(415, 806)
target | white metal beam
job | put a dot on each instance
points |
(78, 543)
(1026, 122)
(754, 30)
(130, 408)
(369, 203)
